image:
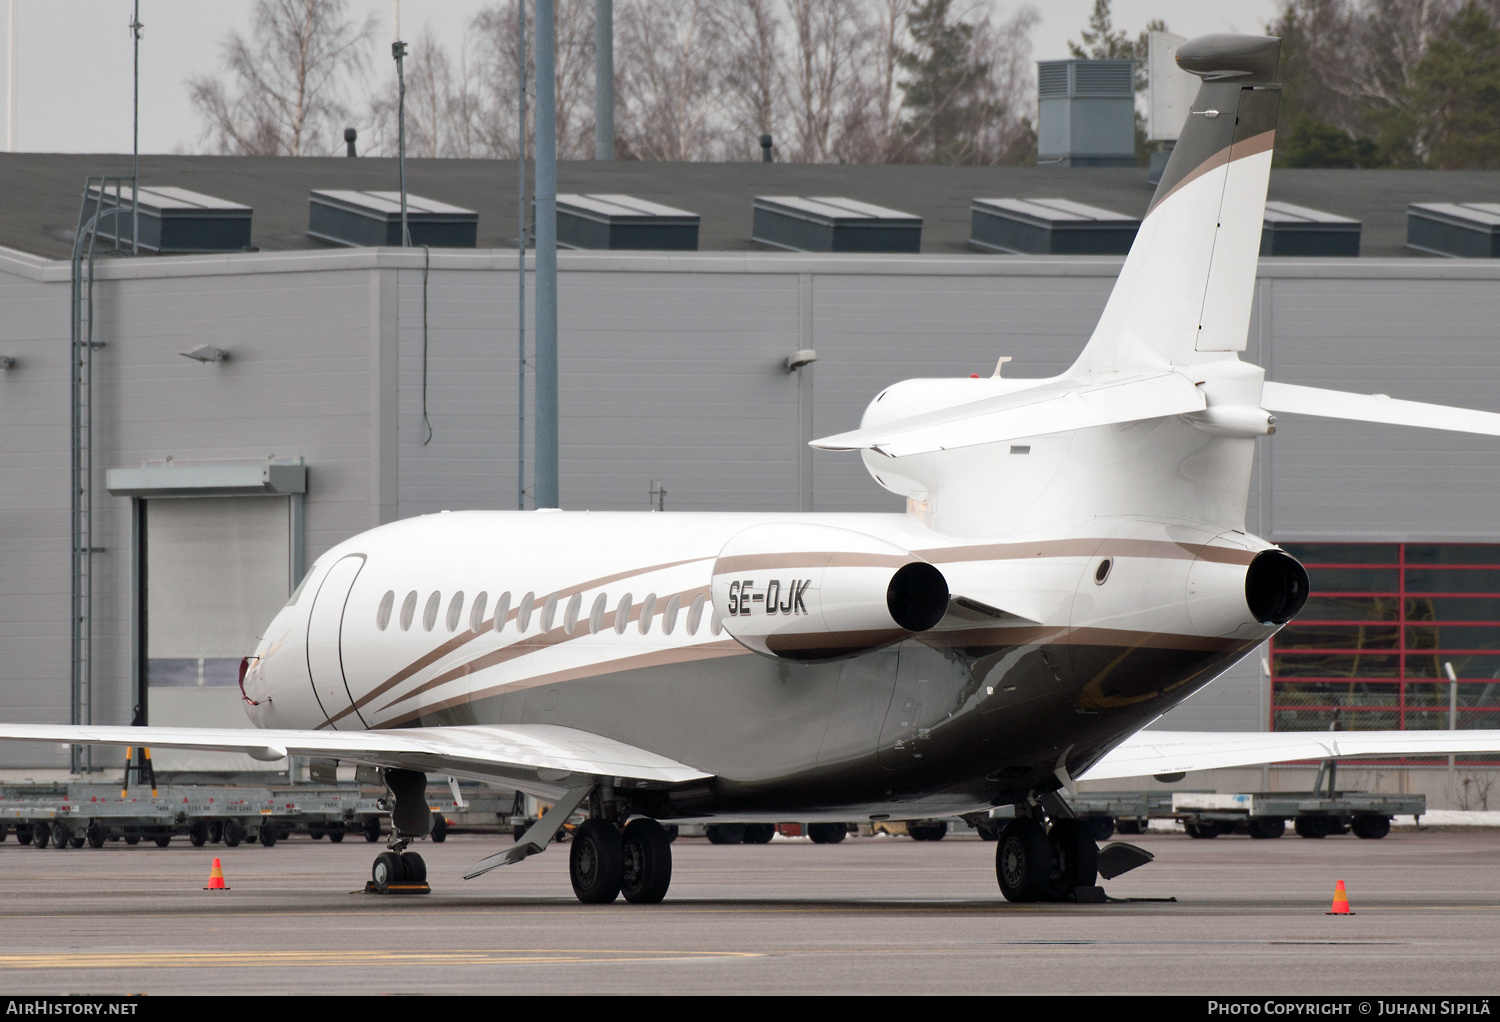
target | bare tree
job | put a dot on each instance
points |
(288, 80)
(755, 97)
(670, 80)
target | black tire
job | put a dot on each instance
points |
(4, 833)
(61, 835)
(41, 834)
(162, 840)
(759, 833)
(1202, 831)
(23, 833)
(596, 862)
(215, 831)
(386, 870)
(1075, 858)
(726, 833)
(1371, 828)
(198, 833)
(1023, 860)
(95, 835)
(1130, 827)
(927, 831)
(987, 832)
(234, 833)
(1102, 827)
(439, 828)
(647, 870)
(1311, 826)
(1267, 828)
(372, 829)
(78, 840)
(316, 833)
(132, 839)
(413, 868)
(672, 831)
(827, 833)
(335, 836)
(268, 835)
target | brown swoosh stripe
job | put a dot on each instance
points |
(1235, 151)
(1088, 548)
(655, 658)
(463, 638)
(808, 559)
(535, 644)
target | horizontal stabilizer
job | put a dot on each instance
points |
(1338, 404)
(1053, 407)
(524, 754)
(1171, 752)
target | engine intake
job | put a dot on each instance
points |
(810, 593)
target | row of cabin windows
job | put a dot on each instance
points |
(546, 611)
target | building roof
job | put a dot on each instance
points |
(43, 192)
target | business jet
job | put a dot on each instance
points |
(1072, 563)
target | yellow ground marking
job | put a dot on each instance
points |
(320, 959)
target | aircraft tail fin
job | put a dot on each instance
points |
(1187, 283)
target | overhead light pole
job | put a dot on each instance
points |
(546, 256)
(604, 79)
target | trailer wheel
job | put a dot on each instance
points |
(726, 833)
(61, 836)
(1130, 826)
(827, 833)
(372, 829)
(77, 840)
(1312, 826)
(41, 834)
(759, 833)
(1201, 830)
(268, 835)
(234, 833)
(23, 833)
(439, 828)
(1101, 827)
(95, 834)
(335, 836)
(162, 840)
(1371, 828)
(132, 839)
(198, 833)
(215, 831)
(1267, 827)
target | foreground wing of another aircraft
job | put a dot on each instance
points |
(1171, 752)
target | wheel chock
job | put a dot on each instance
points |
(404, 887)
(1118, 857)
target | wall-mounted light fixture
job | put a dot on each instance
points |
(797, 359)
(206, 353)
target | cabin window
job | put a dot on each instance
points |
(596, 616)
(408, 609)
(383, 615)
(549, 611)
(714, 624)
(430, 612)
(476, 613)
(523, 612)
(570, 616)
(502, 611)
(648, 609)
(669, 616)
(622, 614)
(455, 610)
(695, 614)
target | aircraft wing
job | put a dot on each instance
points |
(1052, 407)
(1338, 404)
(542, 758)
(1170, 752)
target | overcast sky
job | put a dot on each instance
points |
(73, 57)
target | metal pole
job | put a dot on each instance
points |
(604, 79)
(398, 50)
(522, 233)
(1452, 723)
(10, 88)
(135, 135)
(546, 257)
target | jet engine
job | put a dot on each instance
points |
(807, 593)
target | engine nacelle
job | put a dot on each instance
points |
(814, 592)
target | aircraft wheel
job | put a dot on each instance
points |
(1102, 827)
(726, 833)
(387, 870)
(412, 867)
(234, 833)
(647, 870)
(1075, 858)
(61, 835)
(268, 835)
(1371, 828)
(759, 833)
(198, 833)
(826, 833)
(596, 862)
(1267, 827)
(439, 828)
(1023, 859)
(95, 834)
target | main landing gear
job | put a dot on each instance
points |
(396, 870)
(1057, 862)
(605, 862)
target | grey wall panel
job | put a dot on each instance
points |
(1234, 701)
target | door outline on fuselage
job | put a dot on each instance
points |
(339, 597)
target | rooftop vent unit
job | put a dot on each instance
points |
(1298, 231)
(833, 224)
(1086, 113)
(374, 218)
(1049, 226)
(1469, 229)
(171, 219)
(624, 222)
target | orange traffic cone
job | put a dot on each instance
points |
(216, 880)
(1340, 902)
